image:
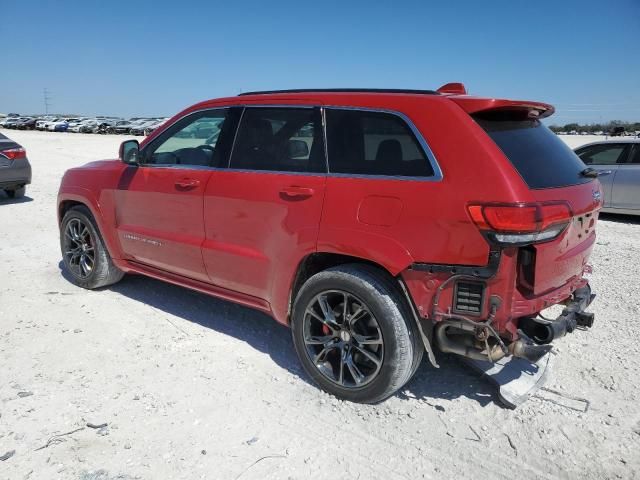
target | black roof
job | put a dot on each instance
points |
(344, 90)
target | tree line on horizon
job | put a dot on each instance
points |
(597, 127)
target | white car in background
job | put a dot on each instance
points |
(74, 125)
(41, 123)
(48, 123)
(61, 125)
(4, 121)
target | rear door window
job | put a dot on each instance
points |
(279, 139)
(539, 156)
(364, 142)
(602, 154)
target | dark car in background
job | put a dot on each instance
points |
(126, 126)
(147, 127)
(141, 127)
(28, 123)
(15, 170)
(121, 126)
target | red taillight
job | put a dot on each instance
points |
(522, 223)
(14, 153)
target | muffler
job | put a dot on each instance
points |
(464, 341)
(471, 341)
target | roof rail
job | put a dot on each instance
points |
(344, 90)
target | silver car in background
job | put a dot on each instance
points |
(618, 162)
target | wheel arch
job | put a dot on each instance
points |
(319, 261)
(81, 197)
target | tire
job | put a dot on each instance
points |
(79, 237)
(16, 192)
(392, 347)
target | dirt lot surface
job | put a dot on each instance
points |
(194, 387)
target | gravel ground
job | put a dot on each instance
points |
(194, 387)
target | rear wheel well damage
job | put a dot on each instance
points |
(317, 262)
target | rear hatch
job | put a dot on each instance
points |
(553, 173)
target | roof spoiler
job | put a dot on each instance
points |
(473, 105)
(458, 93)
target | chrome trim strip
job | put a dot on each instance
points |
(437, 176)
(172, 166)
(274, 172)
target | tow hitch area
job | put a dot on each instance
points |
(543, 331)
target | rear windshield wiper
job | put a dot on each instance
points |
(593, 173)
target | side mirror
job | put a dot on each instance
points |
(129, 151)
(298, 149)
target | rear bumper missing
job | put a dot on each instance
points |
(479, 341)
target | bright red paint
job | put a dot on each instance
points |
(242, 235)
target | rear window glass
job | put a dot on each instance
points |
(363, 142)
(541, 158)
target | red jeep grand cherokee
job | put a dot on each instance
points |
(377, 223)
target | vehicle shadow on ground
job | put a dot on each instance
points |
(6, 200)
(618, 218)
(261, 332)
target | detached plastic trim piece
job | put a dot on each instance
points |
(515, 378)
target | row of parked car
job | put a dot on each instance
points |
(616, 132)
(52, 123)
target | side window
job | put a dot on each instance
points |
(191, 141)
(635, 155)
(279, 139)
(373, 143)
(601, 154)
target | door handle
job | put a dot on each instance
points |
(187, 183)
(297, 192)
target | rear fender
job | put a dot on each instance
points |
(379, 249)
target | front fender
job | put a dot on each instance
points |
(88, 198)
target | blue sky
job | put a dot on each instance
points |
(155, 58)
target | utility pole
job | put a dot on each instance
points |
(47, 102)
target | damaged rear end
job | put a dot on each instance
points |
(539, 247)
